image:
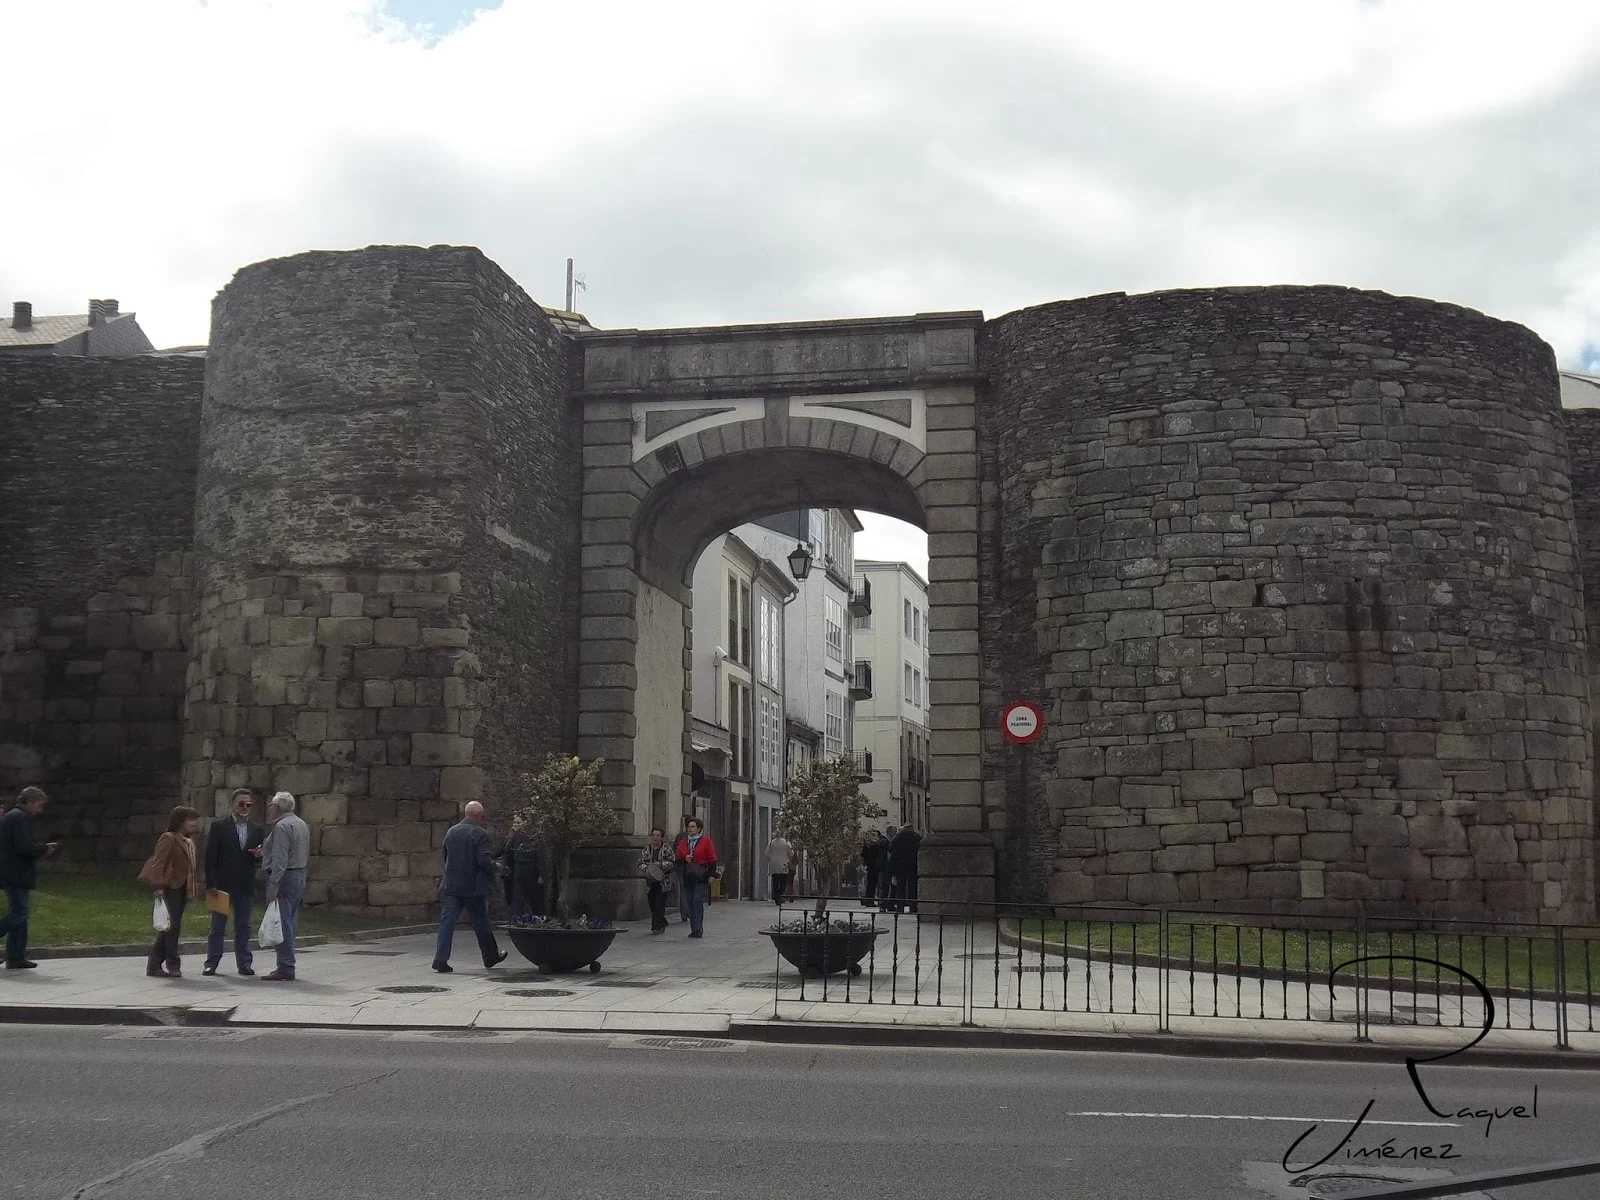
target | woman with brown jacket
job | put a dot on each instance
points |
(170, 871)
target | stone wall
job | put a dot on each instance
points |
(1583, 452)
(1293, 573)
(384, 544)
(97, 468)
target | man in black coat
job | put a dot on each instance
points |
(19, 854)
(903, 849)
(524, 881)
(233, 851)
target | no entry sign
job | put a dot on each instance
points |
(1022, 722)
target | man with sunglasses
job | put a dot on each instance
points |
(233, 851)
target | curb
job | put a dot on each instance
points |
(811, 1033)
(76, 1014)
(1184, 1045)
(140, 949)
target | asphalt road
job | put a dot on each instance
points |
(108, 1114)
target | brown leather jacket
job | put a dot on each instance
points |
(171, 865)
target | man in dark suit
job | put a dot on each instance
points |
(233, 851)
(902, 854)
(467, 883)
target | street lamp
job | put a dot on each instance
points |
(800, 561)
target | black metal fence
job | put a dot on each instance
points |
(1172, 963)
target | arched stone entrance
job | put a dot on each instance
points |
(687, 433)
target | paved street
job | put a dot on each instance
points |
(108, 1114)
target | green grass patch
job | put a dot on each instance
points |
(1499, 960)
(112, 910)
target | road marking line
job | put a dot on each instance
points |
(196, 1146)
(1237, 1117)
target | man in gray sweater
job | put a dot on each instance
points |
(284, 855)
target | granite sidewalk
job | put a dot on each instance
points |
(732, 984)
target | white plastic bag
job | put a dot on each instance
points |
(271, 931)
(159, 917)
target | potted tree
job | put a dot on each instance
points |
(821, 817)
(565, 807)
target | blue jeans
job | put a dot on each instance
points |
(694, 899)
(683, 900)
(241, 932)
(15, 924)
(477, 908)
(291, 887)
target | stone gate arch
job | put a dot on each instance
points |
(686, 434)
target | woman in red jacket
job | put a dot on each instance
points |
(697, 863)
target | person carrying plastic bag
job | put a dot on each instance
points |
(285, 854)
(170, 872)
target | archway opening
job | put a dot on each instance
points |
(768, 639)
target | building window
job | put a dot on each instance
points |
(839, 544)
(916, 688)
(833, 734)
(907, 692)
(733, 618)
(769, 641)
(908, 618)
(916, 626)
(767, 736)
(799, 757)
(834, 619)
(863, 624)
(739, 731)
(744, 624)
(816, 525)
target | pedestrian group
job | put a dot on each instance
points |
(237, 847)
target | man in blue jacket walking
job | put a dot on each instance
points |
(467, 883)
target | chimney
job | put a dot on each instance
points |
(21, 314)
(101, 311)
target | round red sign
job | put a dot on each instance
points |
(1022, 722)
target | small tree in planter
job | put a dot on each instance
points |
(565, 808)
(822, 813)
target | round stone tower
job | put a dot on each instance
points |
(384, 539)
(1293, 574)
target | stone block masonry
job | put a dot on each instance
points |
(385, 538)
(293, 687)
(97, 473)
(1295, 572)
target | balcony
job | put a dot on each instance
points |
(863, 761)
(861, 598)
(861, 681)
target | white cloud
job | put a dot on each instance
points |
(728, 161)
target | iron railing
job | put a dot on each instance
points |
(861, 598)
(1170, 963)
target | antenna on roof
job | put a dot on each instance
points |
(574, 282)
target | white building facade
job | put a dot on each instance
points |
(891, 649)
(736, 681)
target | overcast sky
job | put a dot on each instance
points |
(709, 163)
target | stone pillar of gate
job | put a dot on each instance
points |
(956, 865)
(605, 875)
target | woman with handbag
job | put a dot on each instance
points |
(170, 872)
(697, 863)
(657, 860)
